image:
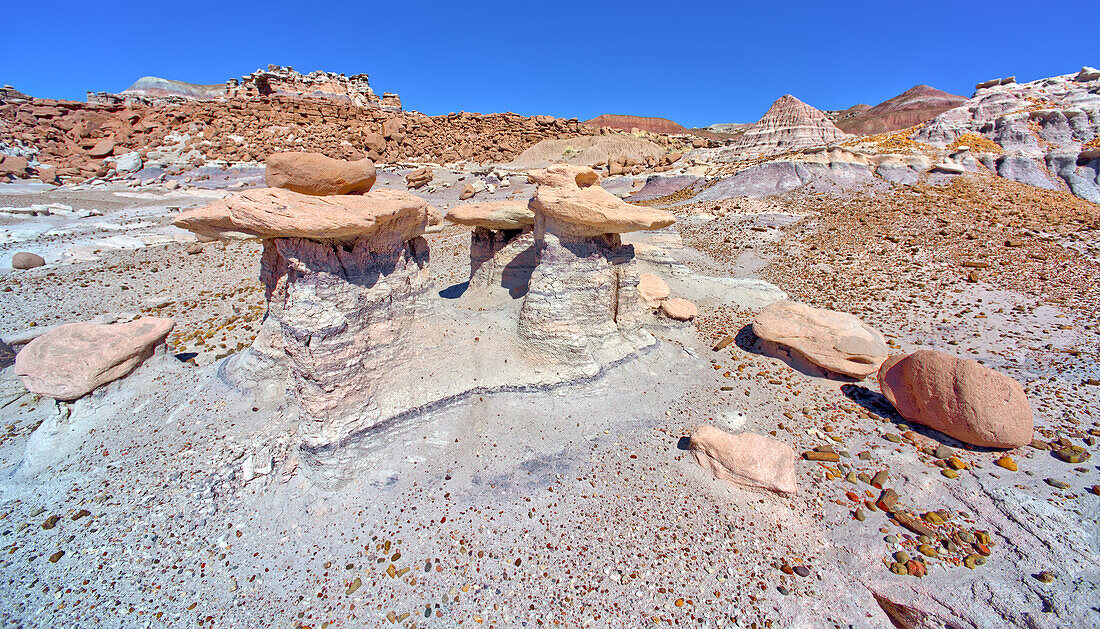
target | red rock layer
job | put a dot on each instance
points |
(916, 105)
(628, 123)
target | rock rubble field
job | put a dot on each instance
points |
(379, 368)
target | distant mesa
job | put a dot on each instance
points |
(624, 122)
(918, 104)
(155, 86)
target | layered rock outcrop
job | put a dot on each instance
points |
(72, 360)
(341, 276)
(1043, 133)
(582, 306)
(788, 124)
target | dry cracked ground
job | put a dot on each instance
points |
(579, 505)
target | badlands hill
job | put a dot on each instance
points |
(788, 124)
(918, 104)
(628, 123)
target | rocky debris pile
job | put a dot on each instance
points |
(312, 173)
(627, 165)
(582, 306)
(72, 360)
(958, 397)
(628, 123)
(502, 244)
(746, 458)
(341, 274)
(1043, 133)
(918, 104)
(83, 140)
(788, 124)
(835, 341)
(602, 151)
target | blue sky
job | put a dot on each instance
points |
(694, 62)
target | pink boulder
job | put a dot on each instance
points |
(746, 458)
(958, 397)
(316, 174)
(72, 360)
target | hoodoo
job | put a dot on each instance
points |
(341, 274)
(582, 306)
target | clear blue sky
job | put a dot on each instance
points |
(694, 62)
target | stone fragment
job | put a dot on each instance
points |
(274, 212)
(317, 174)
(72, 360)
(652, 289)
(679, 309)
(26, 260)
(835, 341)
(958, 397)
(419, 177)
(745, 458)
(496, 215)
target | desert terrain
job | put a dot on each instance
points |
(489, 370)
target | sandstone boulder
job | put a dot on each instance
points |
(274, 212)
(958, 397)
(493, 215)
(652, 289)
(26, 260)
(571, 198)
(316, 174)
(72, 360)
(103, 148)
(467, 192)
(746, 458)
(679, 309)
(419, 178)
(835, 341)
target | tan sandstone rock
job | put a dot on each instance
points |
(493, 215)
(835, 341)
(746, 458)
(958, 397)
(316, 174)
(652, 289)
(419, 177)
(679, 309)
(26, 260)
(274, 212)
(72, 360)
(572, 199)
